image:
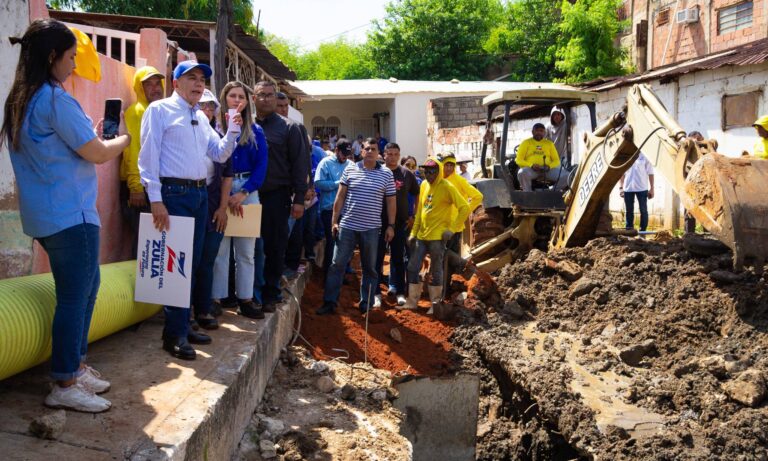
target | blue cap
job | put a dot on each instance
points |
(185, 66)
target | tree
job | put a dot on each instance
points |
(433, 39)
(527, 37)
(337, 60)
(200, 10)
(587, 48)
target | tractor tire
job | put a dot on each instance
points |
(486, 223)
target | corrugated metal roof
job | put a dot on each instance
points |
(744, 55)
(344, 89)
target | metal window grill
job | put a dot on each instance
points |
(734, 18)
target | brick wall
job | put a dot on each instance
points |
(452, 126)
(758, 30)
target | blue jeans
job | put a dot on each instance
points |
(74, 257)
(191, 202)
(201, 295)
(396, 258)
(436, 252)
(244, 258)
(330, 242)
(629, 202)
(345, 247)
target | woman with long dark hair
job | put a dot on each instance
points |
(53, 149)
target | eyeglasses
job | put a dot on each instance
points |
(208, 105)
(265, 96)
(430, 170)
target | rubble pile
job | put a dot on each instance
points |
(623, 349)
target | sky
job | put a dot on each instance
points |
(311, 22)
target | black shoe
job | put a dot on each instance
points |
(198, 338)
(269, 307)
(208, 324)
(326, 309)
(194, 325)
(180, 348)
(251, 310)
(216, 309)
(363, 309)
(229, 303)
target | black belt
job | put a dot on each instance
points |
(242, 175)
(183, 182)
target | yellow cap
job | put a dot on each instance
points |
(762, 121)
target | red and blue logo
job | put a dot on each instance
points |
(176, 262)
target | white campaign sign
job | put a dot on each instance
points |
(164, 262)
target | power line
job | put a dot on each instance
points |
(368, 24)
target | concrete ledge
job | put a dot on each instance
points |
(163, 408)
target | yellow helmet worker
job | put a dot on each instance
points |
(761, 146)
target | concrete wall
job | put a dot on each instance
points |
(347, 110)
(695, 100)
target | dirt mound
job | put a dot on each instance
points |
(623, 349)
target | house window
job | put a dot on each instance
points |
(662, 17)
(740, 110)
(734, 18)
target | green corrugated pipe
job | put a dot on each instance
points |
(26, 314)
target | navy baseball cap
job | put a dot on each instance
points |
(185, 66)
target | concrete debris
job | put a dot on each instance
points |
(748, 388)
(568, 270)
(273, 427)
(267, 449)
(325, 384)
(582, 287)
(394, 333)
(319, 367)
(379, 395)
(632, 355)
(49, 426)
(348, 392)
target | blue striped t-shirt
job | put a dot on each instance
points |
(366, 190)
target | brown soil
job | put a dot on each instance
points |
(425, 348)
(555, 355)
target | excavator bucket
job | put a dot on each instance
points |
(728, 197)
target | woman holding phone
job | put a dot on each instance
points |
(249, 165)
(53, 149)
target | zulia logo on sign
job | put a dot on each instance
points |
(176, 262)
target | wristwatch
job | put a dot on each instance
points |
(391, 225)
(245, 191)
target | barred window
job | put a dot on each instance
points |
(734, 18)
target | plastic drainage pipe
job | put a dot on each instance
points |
(27, 306)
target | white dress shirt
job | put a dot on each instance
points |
(636, 178)
(172, 147)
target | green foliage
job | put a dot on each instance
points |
(433, 39)
(587, 48)
(199, 10)
(337, 60)
(528, 38)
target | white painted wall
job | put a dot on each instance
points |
(697, 107)
(346, 110)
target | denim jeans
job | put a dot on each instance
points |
(276, 208)
(201, 295)
(74, 257)
(330, 242)
(244, 258)
(345, 247)
(258, 269)
(396, 257)
(629, 202)
(191, 202)
(436, 252)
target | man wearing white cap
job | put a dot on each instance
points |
(176, 137)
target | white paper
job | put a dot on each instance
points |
(164, 262)
(232, 127)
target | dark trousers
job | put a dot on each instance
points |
(310, 222)
(74, 257)
(396, 257)
(330, 243)
(131, 215)
(201, 294)
(302, 237)
(629, 202)
(191, 202)
(276, 208)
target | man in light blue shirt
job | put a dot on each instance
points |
(327, 176)
(175, 140)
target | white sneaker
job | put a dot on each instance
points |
(400, 300)
(377, 301)
(92, 380)
(76, 397)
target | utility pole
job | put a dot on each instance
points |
(223, 24)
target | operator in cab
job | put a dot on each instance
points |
(537, 158)
(761, 146)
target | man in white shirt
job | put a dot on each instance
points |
(637, 182)
(176, 137)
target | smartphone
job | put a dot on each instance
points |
(112, 108)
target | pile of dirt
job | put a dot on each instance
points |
(623, 349)
(420, 346)
(325, 410)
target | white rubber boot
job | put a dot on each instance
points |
(414, 292)
(435, 295)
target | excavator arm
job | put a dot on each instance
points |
(724, 194)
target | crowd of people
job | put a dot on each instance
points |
(197, 155)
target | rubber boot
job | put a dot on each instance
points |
(414, 292)
(435, 295)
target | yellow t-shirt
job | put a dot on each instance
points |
(532, 152)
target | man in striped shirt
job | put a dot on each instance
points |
(363, 187)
